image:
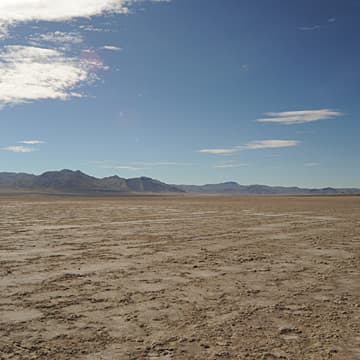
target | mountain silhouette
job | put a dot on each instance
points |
(77, 182)
(68, 181)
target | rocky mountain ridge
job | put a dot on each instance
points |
(68, 181)
(77, 182)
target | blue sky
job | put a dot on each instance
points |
(185, 91)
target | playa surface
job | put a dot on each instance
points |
(180, 278)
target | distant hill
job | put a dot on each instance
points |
(235, 188)
(76, 182)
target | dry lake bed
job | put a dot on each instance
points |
(180, 278)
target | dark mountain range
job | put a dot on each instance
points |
(235, 188)
(76, 182)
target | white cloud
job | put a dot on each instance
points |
(58, 37)
(310, 28)
(107, 164)
(299, 117)
(16, 11)
(224, 151)
(162, 163)
(132, 168)
(269, 144)
(135, 166)
(19, 149)
(229, 166)
(93, 28)
(45, 70)
(254, 145)
(245, 67)
(312, 164)
(111, 48)
(32, 73)
(32, 142)
(318, 27)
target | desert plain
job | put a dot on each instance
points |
(180, 277)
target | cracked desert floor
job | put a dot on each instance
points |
(180, 277)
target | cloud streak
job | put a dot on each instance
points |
(312, 164)
(32, 142)
(299, 117)
(269, 144)
(131, 168)
(111, 48)
(310, 28)
(135, 166)
(223, 151)
(19, 149)
(254, 145)
(318, 27)
(58, 37)
(229, 166)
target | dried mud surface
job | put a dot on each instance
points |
(180, 278)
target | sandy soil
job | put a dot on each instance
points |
(180, 278)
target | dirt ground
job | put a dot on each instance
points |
(180, 278)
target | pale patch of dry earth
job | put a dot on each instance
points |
(180, 278)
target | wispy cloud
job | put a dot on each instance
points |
(245, 67)
(254, 145)
(32, 142)
(318, 27)
(108, 164)
(223, 151)
(52, 65)
(140, 165)
(312, 164)
(132, 168)
(299, 117)
(57, 37)
(92, 28)
(111, 48)
(229, 165)
(30, 73)
(17, 11)
(310, 28)
(19, 149)
(269, 144)
(162, 163)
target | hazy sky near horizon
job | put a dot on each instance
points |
(185, 91)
